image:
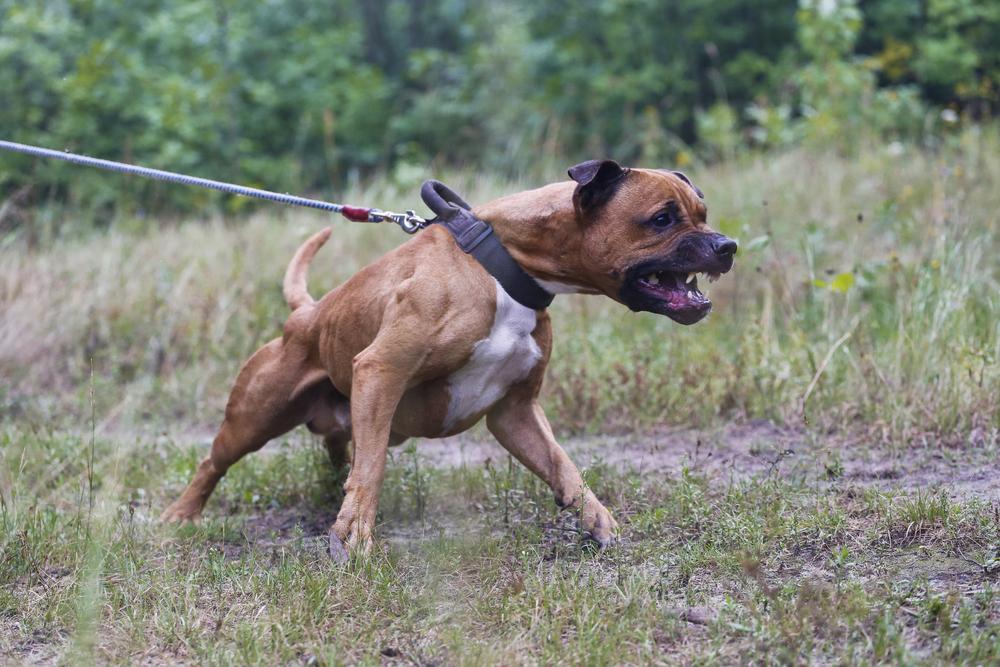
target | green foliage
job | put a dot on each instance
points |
(834, 90)
(312, 96)
(718, 130)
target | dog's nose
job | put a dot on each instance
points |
(724, 246)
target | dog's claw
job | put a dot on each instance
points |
(602, 544)
(337, 549)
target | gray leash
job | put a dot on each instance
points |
(409, 222)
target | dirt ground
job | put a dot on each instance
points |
(827, 467)
(729, 454)
(762, 448)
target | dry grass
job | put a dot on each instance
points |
(167, 314)
(863, 310)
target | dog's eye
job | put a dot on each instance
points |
(666, 217)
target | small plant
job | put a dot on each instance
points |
(833, 468)
(840, 557)
(414, 480)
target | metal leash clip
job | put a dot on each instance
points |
(409, 222)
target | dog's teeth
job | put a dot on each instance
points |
(653, 279)
(690, 277)
(712, 277)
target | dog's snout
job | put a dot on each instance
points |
(724, 246)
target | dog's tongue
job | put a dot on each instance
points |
(680, 293)
(681, 296)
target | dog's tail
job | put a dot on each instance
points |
(295, 289)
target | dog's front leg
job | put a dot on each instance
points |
(377, 386)
(520, 425)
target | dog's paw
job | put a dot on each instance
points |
(602, 542)
(351, 533)
(598, 524)
(180, 514)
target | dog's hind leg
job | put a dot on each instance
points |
(338, 448)
(273, 393)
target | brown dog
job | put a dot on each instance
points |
(424, 342)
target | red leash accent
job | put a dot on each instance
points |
(355, 213)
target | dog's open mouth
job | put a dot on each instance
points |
(669, 293)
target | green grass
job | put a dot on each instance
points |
(479, 567)
(848, 515)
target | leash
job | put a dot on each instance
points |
(409, 222)
(474, 236)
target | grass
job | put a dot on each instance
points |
(479, 567)
(890, 255)
(805, 477)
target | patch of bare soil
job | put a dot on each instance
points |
(747, 450)
(295, 525)
(760, 448)
(39, 648)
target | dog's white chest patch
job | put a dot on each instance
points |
(501, 359)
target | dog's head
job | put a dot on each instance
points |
(645, 238)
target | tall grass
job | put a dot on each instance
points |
(864, 300)
(865, 294)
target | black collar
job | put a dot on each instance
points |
(476, 237)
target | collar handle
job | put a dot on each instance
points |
(475, 237)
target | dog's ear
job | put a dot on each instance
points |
(680, 175)
(596, 181)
